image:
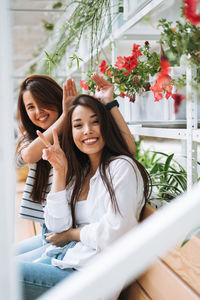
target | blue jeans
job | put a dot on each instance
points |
(32, 248)
(38, 277)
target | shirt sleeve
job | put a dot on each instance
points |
(128, 188)
(20, 163)
(57, 212)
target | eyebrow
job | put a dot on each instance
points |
(28, 104)
(77, 120)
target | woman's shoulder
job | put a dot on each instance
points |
(121, 161)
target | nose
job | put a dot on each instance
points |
(87, 129)
(38, 110)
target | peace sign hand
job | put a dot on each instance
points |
(53, 153)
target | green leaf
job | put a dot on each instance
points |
(190, 234)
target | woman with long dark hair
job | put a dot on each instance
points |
(97, 194)
(42, 105)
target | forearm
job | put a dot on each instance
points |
(59, 181)
(125, 131)
(33, 152)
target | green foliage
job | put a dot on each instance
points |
(183, 39)
(190, 234)
(57, 5)
(77, 59)
(88, 17)
(48, 26)
(128, 83)
(169, 178)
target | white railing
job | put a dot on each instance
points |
(7, 190)
(134, 253)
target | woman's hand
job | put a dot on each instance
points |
(69, 93)
(62, 238)
(104, 89)
(53, 153)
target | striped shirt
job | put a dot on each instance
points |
(30, 209)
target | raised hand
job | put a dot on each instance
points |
(53, 153)
(69, 93)
(104, 89)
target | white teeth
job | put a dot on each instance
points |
(89, 141)
(43, 118)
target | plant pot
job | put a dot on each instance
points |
(146, 109)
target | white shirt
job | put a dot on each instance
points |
(104, 226)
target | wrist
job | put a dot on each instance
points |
(107, 100)
(75, 234)
(112, 104)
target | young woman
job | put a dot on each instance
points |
(106, 191)
(42, 104)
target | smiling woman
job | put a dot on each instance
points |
(86, 132)
(39, 115)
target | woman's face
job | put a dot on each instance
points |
(86, 131)
(40, 116)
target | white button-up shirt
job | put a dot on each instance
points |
(101, 224)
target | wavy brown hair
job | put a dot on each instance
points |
(48, 94)
(115, 145)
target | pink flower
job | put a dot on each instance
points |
(190, 11)
(84, 85)
(120, 63)
(178, 98)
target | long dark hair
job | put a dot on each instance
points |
(115, 145)
(48, 94)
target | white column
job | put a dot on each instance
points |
(191, 109)
(7, 187)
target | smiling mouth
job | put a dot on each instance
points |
(90, 141)
(42, 119)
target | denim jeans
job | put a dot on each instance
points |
(32, 248)
(38, 277)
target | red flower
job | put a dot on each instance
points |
(163, 82)
(122, 95)
(109, 73)
(157, 91)
(135, 51)
(130, 63)
(164, 65)
(84, 85)
(132, 98)
(168, 90)
(190, 11)
(103, 67)
(178, 98)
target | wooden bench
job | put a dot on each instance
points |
(174, 277)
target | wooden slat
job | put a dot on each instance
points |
(134, 292)
(148, 211)
(185, 262)
(161, 283)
